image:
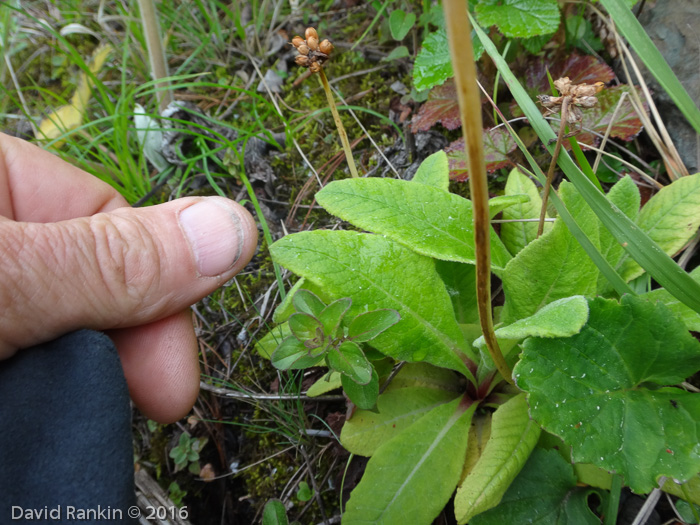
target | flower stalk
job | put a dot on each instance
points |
(459, 39)
(313, 55)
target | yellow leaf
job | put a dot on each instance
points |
(70, 116)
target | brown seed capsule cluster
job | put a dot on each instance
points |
(312, 53)
(580, 96)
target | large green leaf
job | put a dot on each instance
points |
(513, 436)
(414, 391)
(589, 390)
(545, 493)
(433, 64)
(428, 220)
(560, 318)
(410, 478)
(397, 410)
(670, 218)
(426, 376)
(690, 318)
(552, 267)
(661, 267)
(434, 171)
(378, 273)
(460, 281)
(625, 195)
(517, 235)
(519, 18)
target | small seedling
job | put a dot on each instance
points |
(187, 453)
(324, 333)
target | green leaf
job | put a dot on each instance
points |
(434, 171)
(517, 235)
(414, 391)
(274, 513)
(552, 267)
(286, 307)
(349, 360)
(460, 281)
(363, 396)
(379, 273)
(425, 375)
(513, 436)
(397, 410)
(545, 493)
(433, 64)
(269, 343)
(307, 302)
(690, 318)
(519, 18)
(292, 354)
(670, 218)
(412, 476)
(503, 202)
(400, 23)
(430, 221)
(562, 318)
(625, 195)
(332, 315)
(689, 490)
(367, 326)
(304, 493)
(305, 327)
(589, 390)
(396, 53)
(324, 385)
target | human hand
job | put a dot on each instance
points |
(74, 255)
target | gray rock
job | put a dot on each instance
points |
(674, 28)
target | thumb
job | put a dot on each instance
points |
(119, 269)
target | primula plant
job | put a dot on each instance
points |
(597, 394)
(596, 371)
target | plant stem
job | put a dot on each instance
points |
(156, 54)
(614, 501)
(552, 165)
(338, 124)
(459, 38)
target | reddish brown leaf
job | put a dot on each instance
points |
(627, 124)
(581, 69)
(497, 145)
(442, 106)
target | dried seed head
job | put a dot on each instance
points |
(563, 85)
(297, 41)
(312, 42)
(315, 67)
(303, 49)
(326, 47)
(311, 33)
(302, 60)
(586, 102)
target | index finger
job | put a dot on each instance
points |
(37, 186)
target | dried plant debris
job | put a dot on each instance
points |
(577, 96)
